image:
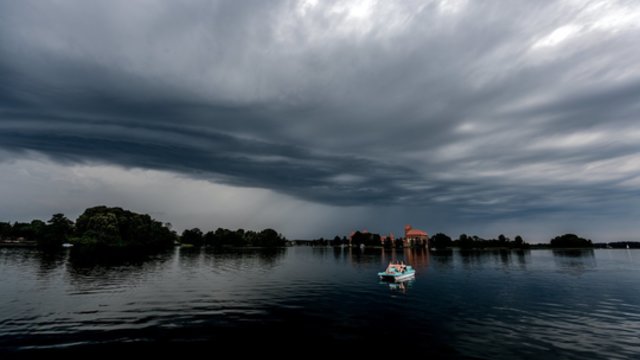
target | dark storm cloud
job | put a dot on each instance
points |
(493, 109)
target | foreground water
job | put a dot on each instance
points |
(509, 304)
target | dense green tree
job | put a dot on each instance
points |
(5, 230)
(115, 227)
(270, 238)
(251, 238)
(192, 237)
(519, 242)
(22, 230)
(440, 241)
(570, 241)
(229, 238)
(222, 237)
(102, 229)
(336, 241)
(209, 239)
(57, 231)
(388, 242)
(359, 238)
(236, 238)
(466, 242)
(365, 238)
(38, 229)
(374, 240)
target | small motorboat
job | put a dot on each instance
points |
(397, 271)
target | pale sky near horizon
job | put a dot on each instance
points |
(320, 117)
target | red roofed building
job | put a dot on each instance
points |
(415, 237)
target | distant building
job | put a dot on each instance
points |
(415, 237)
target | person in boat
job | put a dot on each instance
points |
(396, 266)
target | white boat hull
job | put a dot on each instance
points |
(398, 277)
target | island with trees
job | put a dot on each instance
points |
(570, 241)
(116, 228)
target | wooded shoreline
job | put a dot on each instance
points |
(114, 227)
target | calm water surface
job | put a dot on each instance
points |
(497, 305)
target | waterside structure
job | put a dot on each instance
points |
(415, 237)
(412, 238)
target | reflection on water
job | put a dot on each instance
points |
(442, 260)
(574, 253)
(398, 286)
(418, 258)
(263, 259)
(99, 271)
(49, 261)
(506, 259)
(574, 261)
(525, 304)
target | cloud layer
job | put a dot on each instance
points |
(488, 112)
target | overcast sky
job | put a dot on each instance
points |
(320, 117)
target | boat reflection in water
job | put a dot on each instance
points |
(399, 286)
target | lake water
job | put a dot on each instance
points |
(498, 305)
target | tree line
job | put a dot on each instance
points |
(464, 241)
(360, 238)
(48, 234)
(114, 227)
(229, 238)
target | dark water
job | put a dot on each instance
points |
(496, 305)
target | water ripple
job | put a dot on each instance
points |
(482, 305)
